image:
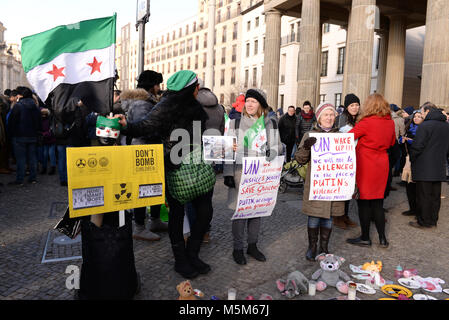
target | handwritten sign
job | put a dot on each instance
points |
(258, 187)
(333, 167)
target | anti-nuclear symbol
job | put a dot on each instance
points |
(81, 163)
(122, 194)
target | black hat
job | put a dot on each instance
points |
(258, 95)
(149, 78)
(350, 99)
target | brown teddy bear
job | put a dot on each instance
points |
(185, 291)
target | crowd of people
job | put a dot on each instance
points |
(390, 141)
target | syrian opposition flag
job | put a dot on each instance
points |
(227, 123)
(256, 137)
(73, 61)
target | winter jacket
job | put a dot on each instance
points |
(430, 148)
(234, 114)
(287, 128)
(48, 137)
(375, 136)
(303, 125)
(235, 169)
(319, 209)
(25, 119)
(215, 111)
(399, 125)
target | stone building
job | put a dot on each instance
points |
(11, 70)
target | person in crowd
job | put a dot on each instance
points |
(340, 109)
(304, 121)
(320, 213)
(24, 126)
(376, 134)
(4, 152)
(237, 107)
(345, 122)
(138, 104)
(428, 157)
(407, 141)
(255, 107)
(271, 113)
(180, 98)
(287, 125)
(280, 112)
(117, 108)
(48, 148)
(395, 152)
(61, 133)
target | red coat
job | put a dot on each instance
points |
(376, 135)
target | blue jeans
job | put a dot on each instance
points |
(62, 163)
(45, 151)
(314, 222)
(25, 150)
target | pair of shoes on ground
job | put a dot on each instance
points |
(417, 225)
(156, 225)
(252, 251)
(187, 261)
(383, 243)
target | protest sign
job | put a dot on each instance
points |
(333, 167)
(219, 148)
(258, 188)
(107, 179)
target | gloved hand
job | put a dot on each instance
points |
(229, 182)
(309, 142)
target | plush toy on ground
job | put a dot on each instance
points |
(330, 273)
(185, 291)
(295, 284)
(371, 272)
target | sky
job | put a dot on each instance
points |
(27, 17)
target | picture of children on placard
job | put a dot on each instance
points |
(219, 148)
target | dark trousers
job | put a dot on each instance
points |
(411, 196)
(204, 212)
(428, 202)
(371, 210)
(290, 146)
(140, 213)
(25, 150)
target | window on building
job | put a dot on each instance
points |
(223, 55)
(232, 77)
(232, 97)
(182, 49)
(298, 26)
(164, 53)
(337, 100)
(174, 66)
(228, 13)
(247, 49)
(213, 78)
(341, 60)
(282, 101)
(239, 8)
(173, 37)
(223, 36)
(257, 22)
(254, 77)
(205, 41)
(168, 67)
(234, 53)
(175, 50)
(221, 98)
(378, 53)
(196, 62)
(256, 47)
(222, 77)
(246, 78)
(324, 61)
(248, 26)
(292, 32)
(326, 27)
(220, 3)
(169, 52)
(197, 43)
(189, 45)
(215, 37)
(188, 63)
(194, 26)
(163, 68)
(204, 60)
(182, 65)
(235, 30)
(322, 98)
(180, 33)
(187, 29)
(218, 16)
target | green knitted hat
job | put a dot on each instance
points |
(181, 80)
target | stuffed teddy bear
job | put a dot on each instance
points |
(185, 291)
(295, 284)
(330, 273)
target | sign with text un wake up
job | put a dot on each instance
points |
(333, 167)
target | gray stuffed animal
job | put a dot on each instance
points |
(329, 274)
(296, 284)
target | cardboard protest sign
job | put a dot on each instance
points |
(258, 188)
(106, 179)
(333, 167)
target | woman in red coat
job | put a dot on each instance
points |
(375, 134)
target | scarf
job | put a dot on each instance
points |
(307, 116)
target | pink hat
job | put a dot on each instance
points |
(323, 106)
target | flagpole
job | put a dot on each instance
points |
(143, 13)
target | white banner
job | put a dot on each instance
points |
(333, 162)
(258, 188)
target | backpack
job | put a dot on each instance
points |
(59, 129)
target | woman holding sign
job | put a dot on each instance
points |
(376, 134)
(264, 141)
(320, 212)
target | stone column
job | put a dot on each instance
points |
(435, 75)
(272, 55)
(309, 53)
(3, 76)
(383, 52)
(360, 48)
(394, 78)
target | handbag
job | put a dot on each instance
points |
(192, 178)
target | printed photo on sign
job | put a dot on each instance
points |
(333, 167)
(88, 197)
(219, 148)
(150, 190)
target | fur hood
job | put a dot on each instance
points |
(134, 94)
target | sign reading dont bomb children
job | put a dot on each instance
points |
(333, 167)
(106, 179)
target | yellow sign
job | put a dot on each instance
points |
(107, 179)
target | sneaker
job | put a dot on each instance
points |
(140, 233)
(156, 225)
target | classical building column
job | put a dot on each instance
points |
(360, 49)
(272, 55)
(383, 52)
(4, 77)
(309, 53)
(394, 78)
(435, 75)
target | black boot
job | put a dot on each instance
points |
(182, 264)
(239, 257)
(255, 253)
(193, 249)
(383, 243)
(325, 234)
(313, 239)
(52, 171)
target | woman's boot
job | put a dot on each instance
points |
(182, 264)
(313, 239)
(325, 234)
(193, 249)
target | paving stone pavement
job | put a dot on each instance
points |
(28, 213)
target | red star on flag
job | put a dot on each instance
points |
(262, 138)
(56, 72)
(95, 65)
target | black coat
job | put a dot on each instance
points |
(287, 127)
(25, 119)
(430, 148)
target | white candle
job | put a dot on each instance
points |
(351, 291)
(232, 293)
(312, 288)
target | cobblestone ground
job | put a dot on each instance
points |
(29, 213)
